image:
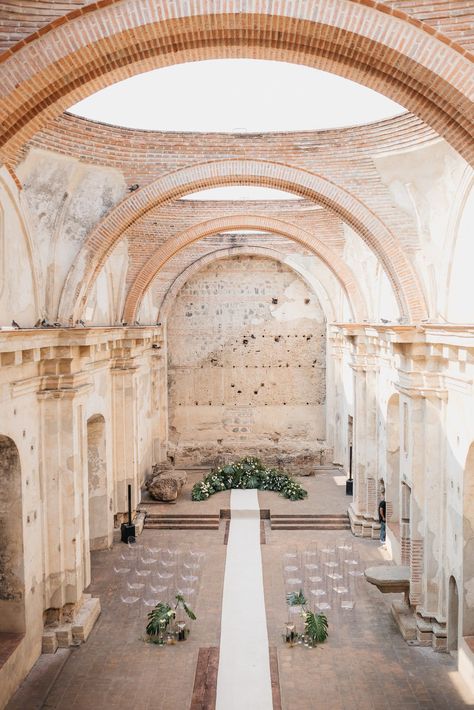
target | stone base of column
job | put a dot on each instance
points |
(430, 632)
(61, 633)
(419, 630)
(363, 525)
(404, 617)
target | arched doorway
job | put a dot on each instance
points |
(393, 465)
(468, 546)
(97, 476)
(12, 580)
(453, 615)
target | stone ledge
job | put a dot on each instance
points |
(389, 579)
(85, 620)
(75, 632)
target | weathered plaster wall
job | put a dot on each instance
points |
(65, 198)
(19, 283)
(246, 365)
(61, 495)
(429, 183)
(413, 428)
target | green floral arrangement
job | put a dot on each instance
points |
(164, 614)
(315, 625)
(248, 472)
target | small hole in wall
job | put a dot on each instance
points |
(24, 433)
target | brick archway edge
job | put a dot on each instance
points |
(267, 252)
(373, 231)
(109, 41)
(336, 265)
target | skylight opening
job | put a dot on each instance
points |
(241, 192)
(236, 96)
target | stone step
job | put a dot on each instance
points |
(183, 516)
(326, 521)
(309, 526)
(161, 526)
(186, 521)
(332, 516)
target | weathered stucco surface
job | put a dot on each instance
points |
(246, 366)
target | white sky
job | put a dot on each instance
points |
(236, 95)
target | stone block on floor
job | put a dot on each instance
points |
(85, 620)
(49, 642)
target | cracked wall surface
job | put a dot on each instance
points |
(247, 366)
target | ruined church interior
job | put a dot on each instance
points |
(236, 357)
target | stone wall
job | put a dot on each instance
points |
(247, 366)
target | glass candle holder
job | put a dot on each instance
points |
(291, 637)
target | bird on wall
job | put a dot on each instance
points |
(43, 323)
(16, 325)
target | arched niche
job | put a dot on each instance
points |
(12, 578)
(453, 615)
(99, 514)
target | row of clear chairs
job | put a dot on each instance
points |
(149, 574)
(328, 575)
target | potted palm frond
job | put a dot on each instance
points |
(315, 625)
(160, 628)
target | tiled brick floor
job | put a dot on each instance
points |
(364, 665)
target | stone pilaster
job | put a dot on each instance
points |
(63, 481)
(124, 430)
(364, 517)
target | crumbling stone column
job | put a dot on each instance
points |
(63, 475)
(124, 430)
(159, 404)
(423, 518)
(364, 506)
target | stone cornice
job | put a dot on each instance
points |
(19, 347)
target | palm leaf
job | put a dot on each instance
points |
(316, 627)
(187, 609)
(158, 618)
(296, 598)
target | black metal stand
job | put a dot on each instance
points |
(127, 529)
(350, 481)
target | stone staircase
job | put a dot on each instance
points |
(331, 521)
(159, 521)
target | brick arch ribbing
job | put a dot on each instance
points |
(371, 229)
(332, 260)
(188, 272)
(109, 41)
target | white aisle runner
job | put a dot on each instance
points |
(243, 679)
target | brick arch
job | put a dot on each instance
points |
(334, 262)
(109, 41)
(372, 230)
(268, 252)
